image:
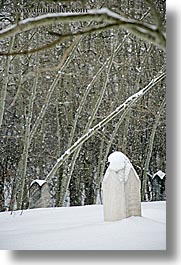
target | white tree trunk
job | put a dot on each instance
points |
(5, 83)
(52, 88)
(24, 157)
(67, 177)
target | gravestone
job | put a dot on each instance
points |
(39, 194)
(158, 186)
(121, 189)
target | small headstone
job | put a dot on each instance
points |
(121, 189)
(158, 186)
(39, 194)
(160, 174)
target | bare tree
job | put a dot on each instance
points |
(75, 87)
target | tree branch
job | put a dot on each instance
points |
(155, 14)
(60, 39)
(130, 101)
(44, 47)
(141, 29)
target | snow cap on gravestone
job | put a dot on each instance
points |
(117, 161)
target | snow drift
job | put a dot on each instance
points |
(83, 228)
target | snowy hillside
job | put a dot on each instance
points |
(83, 228)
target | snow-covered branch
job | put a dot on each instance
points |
(130, 101)
(143, 30)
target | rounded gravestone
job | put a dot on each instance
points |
(121, 189)
(117, 161)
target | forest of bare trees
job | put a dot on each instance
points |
(75, 86)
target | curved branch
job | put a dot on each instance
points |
(44, 47)
(60, 39)
(143, 30)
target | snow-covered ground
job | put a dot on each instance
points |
(83, 228)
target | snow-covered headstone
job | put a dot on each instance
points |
(158, 186)
(39, 194)
(160, 174)
(121, 189)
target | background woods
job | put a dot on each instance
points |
(58, 83)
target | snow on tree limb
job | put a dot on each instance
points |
(143, 30)
(130, 101)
